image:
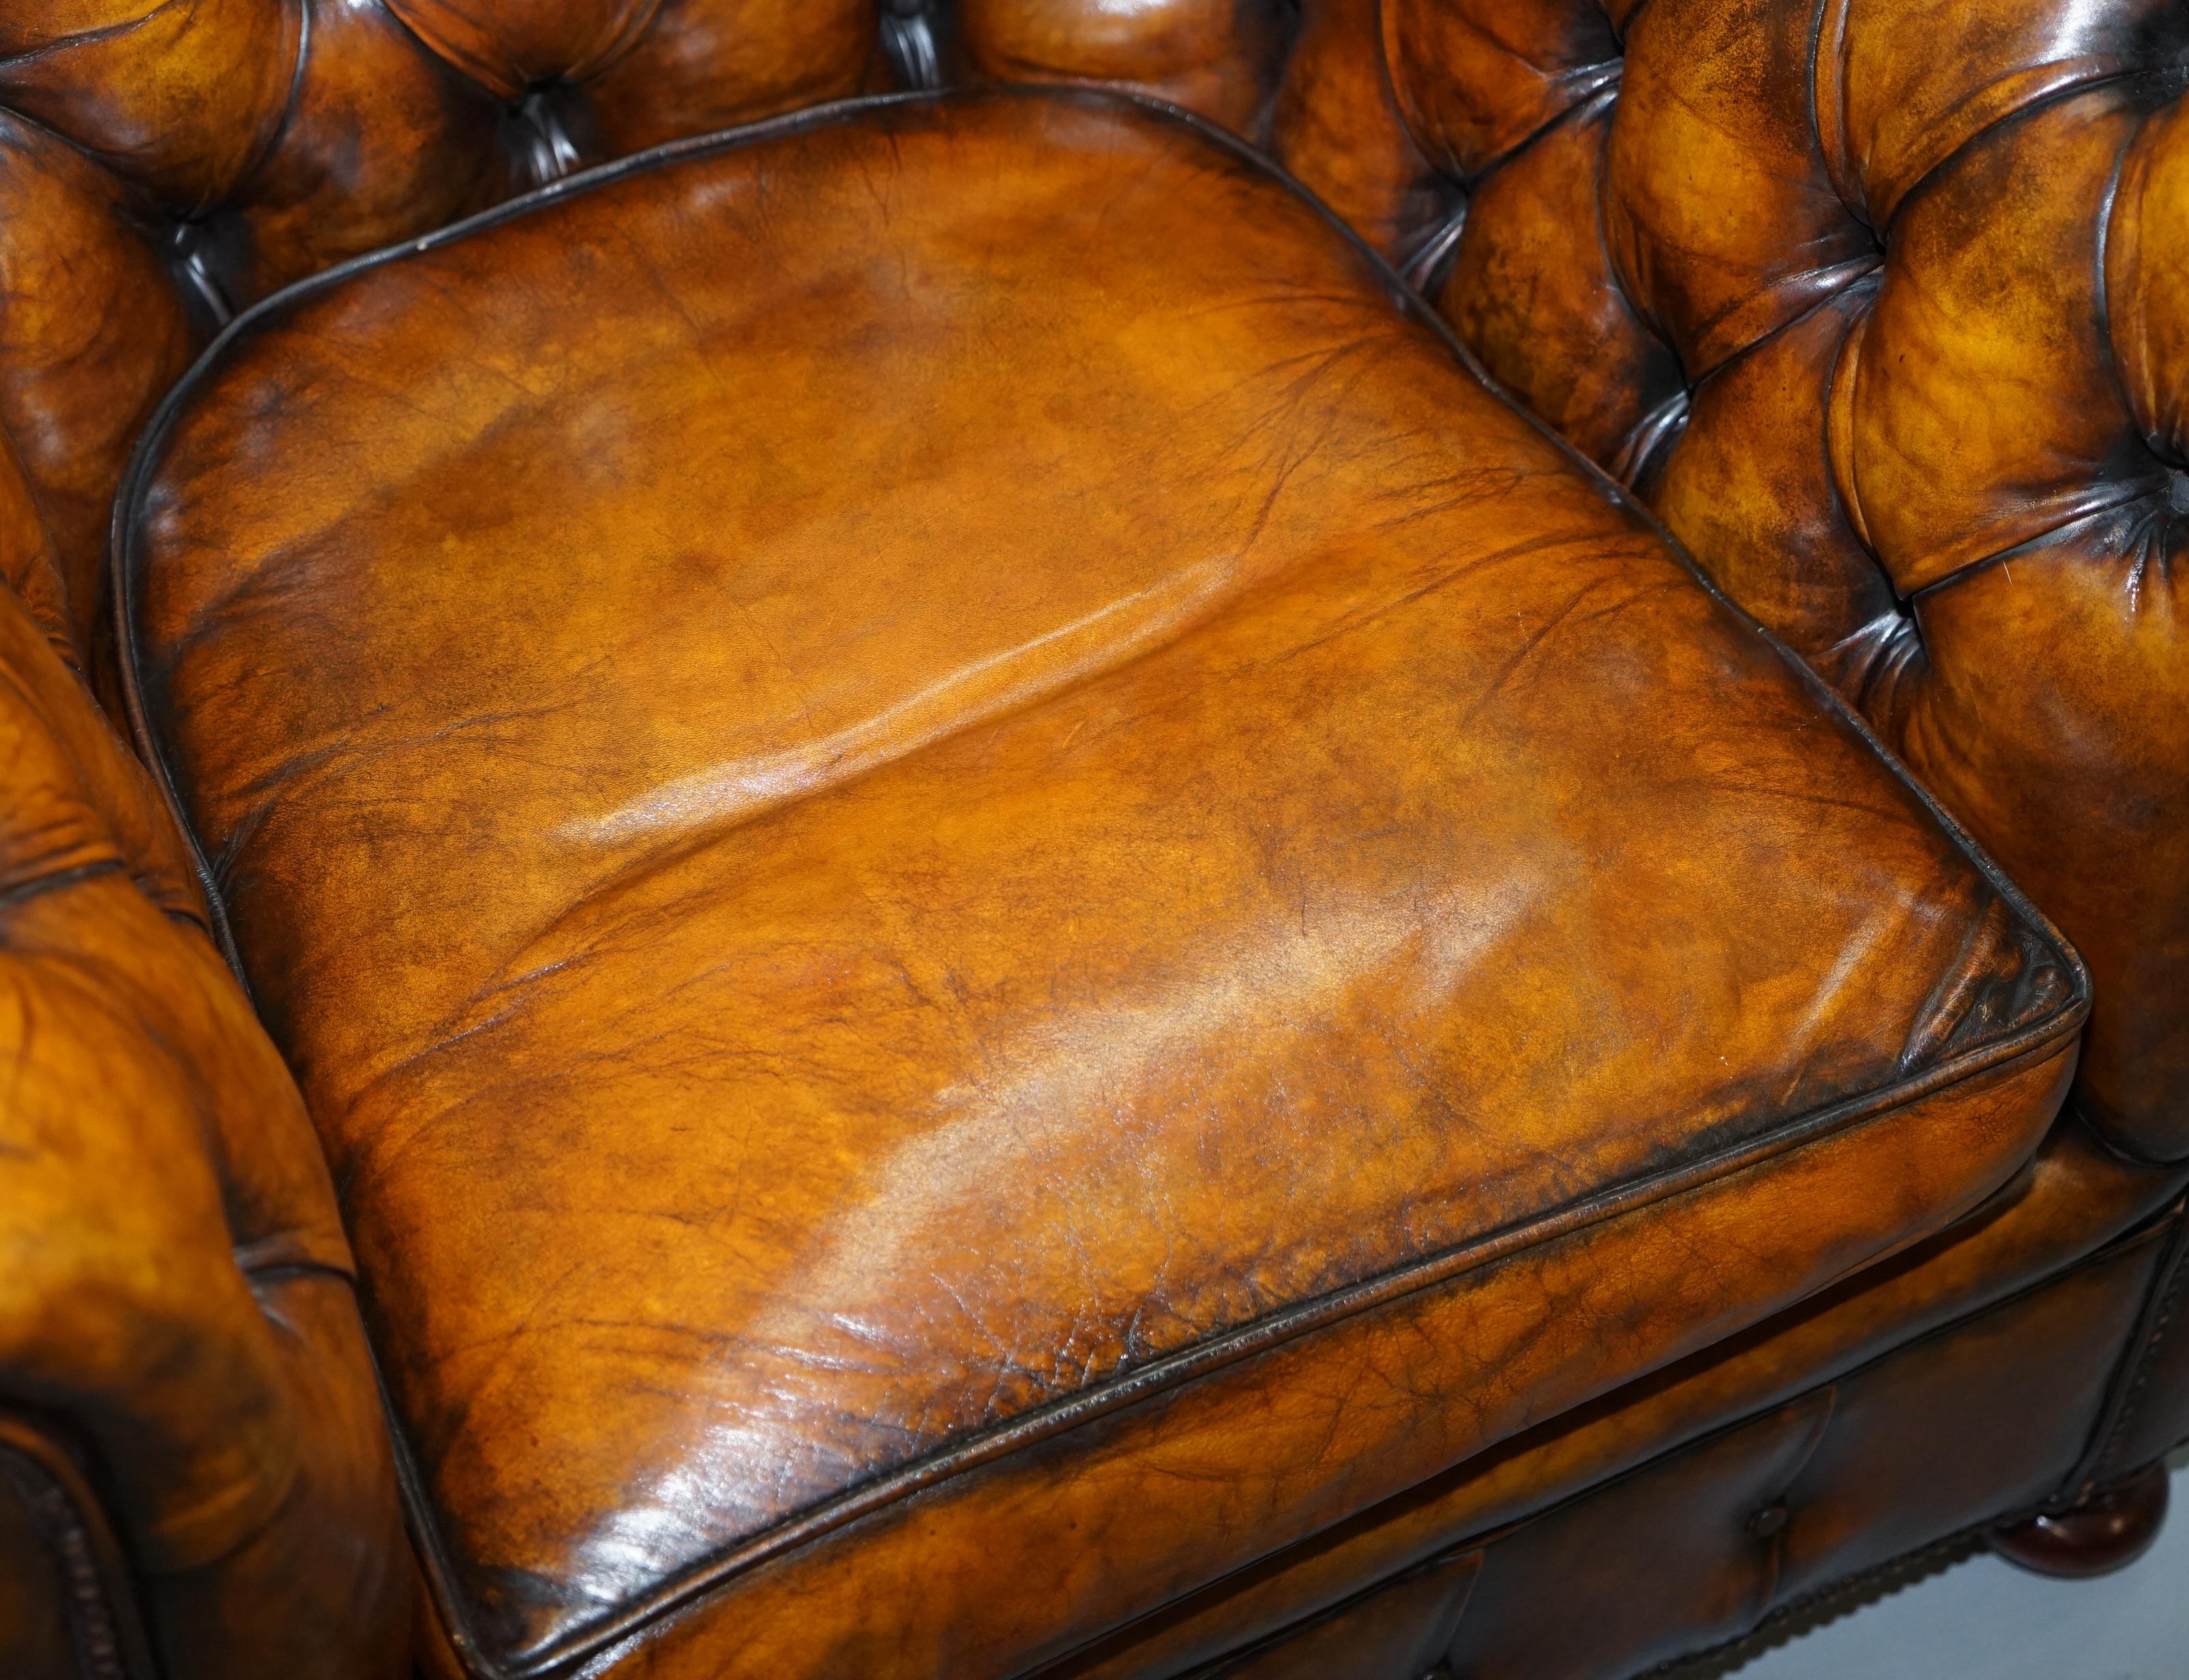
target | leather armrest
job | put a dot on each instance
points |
(174, 1291)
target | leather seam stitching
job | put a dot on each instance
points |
(1149, 1381)
(1482, 1540)
(2023, 1047)
(90, 1617)
(86, 1551)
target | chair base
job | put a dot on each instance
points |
(2108, 1531)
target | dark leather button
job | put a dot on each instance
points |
(1769, 1521)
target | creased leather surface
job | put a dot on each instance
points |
(1023, 1558)
(1694, 1547)
(174, 1278)
(806, 753)
(165, 163)
(91, 335)
(2074, 1198)
(1879, 304)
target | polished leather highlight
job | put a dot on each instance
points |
(1368, 1265)
(173, 1279)
(1219, 58)
(2075, 1199)
(733, 1096)
(1877, 304)
(183, 158)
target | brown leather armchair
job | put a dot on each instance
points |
(919, 880)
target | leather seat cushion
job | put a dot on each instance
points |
(992, 896)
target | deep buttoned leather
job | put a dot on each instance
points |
(1230, 862)
(1874, 303)
(164, 163)
(1802, 372)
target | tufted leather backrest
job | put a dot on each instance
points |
(175, 1307)
(1883, 307)
(164, 163)
(1875, 302)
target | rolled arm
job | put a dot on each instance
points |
(175, 1303)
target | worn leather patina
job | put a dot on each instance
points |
(975, 925)
(1877, 306)
(927, 972)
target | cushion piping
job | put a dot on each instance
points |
(2027, 1044)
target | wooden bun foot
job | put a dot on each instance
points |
(2108, 1531)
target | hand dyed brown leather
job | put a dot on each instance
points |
(161, 166)
(1879, 307)
(175, 1292)
(1212, 904)
(1219, 58)
(164, 163)
(1020, 945)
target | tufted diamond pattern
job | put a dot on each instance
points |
(1877, 303)
(1882, 306)
(164, 163)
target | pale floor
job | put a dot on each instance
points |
(1984, 1620)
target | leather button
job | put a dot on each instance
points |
(1769, 1521)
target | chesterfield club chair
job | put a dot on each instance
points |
(1081, 838)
